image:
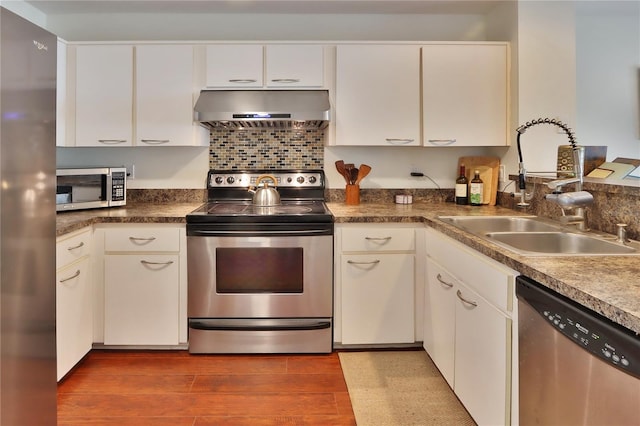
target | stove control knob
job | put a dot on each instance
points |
(312, 179)
(219, 180)
(300, 179)
(230, 179)
(289, 180)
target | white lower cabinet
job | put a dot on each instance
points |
(375, 285)
(74, 313)
(440, 319)
(143, 285)
(377, 298)
(468, 326)
(482, 358)
(141, 299)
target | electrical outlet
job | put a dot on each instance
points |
(502, 175)
(131, 171)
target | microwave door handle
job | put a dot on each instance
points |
(109, 188)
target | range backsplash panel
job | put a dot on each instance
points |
(266, 149)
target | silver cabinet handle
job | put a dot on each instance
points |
(355, 262)
(243, 80)
(112, 141)
(147, 262)
(377, 238)
(286, 80)
(64, 280)
(442, 142)
(443, 282)
(155, 141)
(76, 247)
(399, 141)
(468, 302)
(142, 239)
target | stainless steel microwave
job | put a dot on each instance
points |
(90, 188)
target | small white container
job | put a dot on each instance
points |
(404, 199)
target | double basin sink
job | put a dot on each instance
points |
(532, 235)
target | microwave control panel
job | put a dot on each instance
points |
(118, 186)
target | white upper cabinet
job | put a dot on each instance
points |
(164, 98)
(235, 65)
(465, 90)
(104, 95)
(129, 95)
(377, 95)
(258, 66)
(294, 66)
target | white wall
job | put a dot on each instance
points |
(608, 77)
(111, 27)
(27, 11)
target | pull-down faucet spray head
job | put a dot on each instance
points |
(572, 140)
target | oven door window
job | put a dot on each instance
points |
(259, 270)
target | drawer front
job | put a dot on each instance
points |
(71, 248)
(142, 239)
(490, 279)
(378, 239)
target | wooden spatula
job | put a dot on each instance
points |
(363, 171)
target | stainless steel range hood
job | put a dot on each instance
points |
(279, 109)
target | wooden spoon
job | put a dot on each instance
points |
(362, 173)
(342, 170)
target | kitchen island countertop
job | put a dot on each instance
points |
(609, 285)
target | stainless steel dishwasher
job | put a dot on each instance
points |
(576, 367)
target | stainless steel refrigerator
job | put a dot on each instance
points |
(27, 223)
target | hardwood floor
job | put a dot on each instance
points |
(174, 388)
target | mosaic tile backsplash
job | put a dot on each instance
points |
(266, 149)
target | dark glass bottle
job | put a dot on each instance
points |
(462, 187)
(476, 189)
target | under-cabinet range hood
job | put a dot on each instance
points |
(278, 109)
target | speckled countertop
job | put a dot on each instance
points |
(131, 213)
(609, 285)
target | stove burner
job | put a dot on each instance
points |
(226, 208)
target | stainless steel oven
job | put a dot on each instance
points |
(260, 279)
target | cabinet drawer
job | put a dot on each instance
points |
(73, 247)
(378, 239)
(490, 279)
(141, 239)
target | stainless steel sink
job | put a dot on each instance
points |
(566, 243)
(533, 236)
(484, 224)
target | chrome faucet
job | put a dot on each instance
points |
(576, 200)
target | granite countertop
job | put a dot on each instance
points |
(608, 285)
(131, 213)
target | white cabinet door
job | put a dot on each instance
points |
(104, 95)
(141, 299)
(234, 65)
(439, 319)
(377, 95)
(74, 315)
(482, 358)
(294, 66)
(465, 94)
(377, 298)
(164, 98)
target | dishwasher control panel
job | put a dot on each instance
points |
(608, 341)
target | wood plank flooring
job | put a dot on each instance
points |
(174, 388)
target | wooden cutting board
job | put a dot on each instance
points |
(489, 168)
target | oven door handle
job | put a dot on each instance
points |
(217, 233)
(259, 325)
